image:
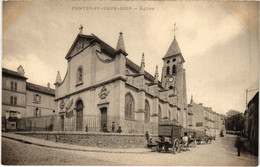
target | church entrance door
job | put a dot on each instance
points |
(103, 118)
(79, 116)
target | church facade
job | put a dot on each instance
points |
(102, 88)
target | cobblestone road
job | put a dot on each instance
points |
(220, 153)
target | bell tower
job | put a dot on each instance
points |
(172, 67)
(173, 77)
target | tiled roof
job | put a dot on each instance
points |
(254, 99)
(174, 49)
(201, 107)
(41, 89)
(13, 73)
(111, 51)
(136, 68)
(104, 46)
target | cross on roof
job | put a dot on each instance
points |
(174, 30)
(80, 29)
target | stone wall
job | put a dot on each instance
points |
(107, 140)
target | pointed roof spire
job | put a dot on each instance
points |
(120, 43)
(142, 65)
(174, 49)
(156, 76)
(58, 79)
(80, 29)
(48, 85)
(120, 47)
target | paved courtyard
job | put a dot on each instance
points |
(220, 153)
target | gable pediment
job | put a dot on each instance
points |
(79, 44)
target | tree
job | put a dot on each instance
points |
(235, 120)
(232, 112)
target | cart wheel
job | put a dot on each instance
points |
(158, 148)
(174, 150)
(180, 148)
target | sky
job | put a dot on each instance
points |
(218, 40)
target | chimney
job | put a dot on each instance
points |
(191, 99)
(20, 70)
(48, 85)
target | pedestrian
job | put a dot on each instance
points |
(238, 144)
(113, 126)
(185, 140)
(105, 128)
(119, 130)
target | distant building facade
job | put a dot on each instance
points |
(205, 119)
(39, 100)
(21, 99)
(13, 97)
(102, 86)
(252, 120)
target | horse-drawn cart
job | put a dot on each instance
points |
(170, 137)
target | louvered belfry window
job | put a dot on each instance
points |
(168, 70)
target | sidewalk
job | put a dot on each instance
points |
(249, 148)
(50, 144)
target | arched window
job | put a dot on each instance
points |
(147, 112)
(173, 69)
(129, 106)
(168, 70)
(159, 113)
(80, 75)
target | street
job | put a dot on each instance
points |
(220, 153)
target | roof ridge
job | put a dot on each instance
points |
(39, 85)
(6, 70)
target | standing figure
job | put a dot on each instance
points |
(238, 144)
(113, 126)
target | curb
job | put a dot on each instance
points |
(75, 149)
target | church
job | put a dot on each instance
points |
(102, 88)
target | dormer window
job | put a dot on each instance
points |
(37, 98)
(80, 75)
